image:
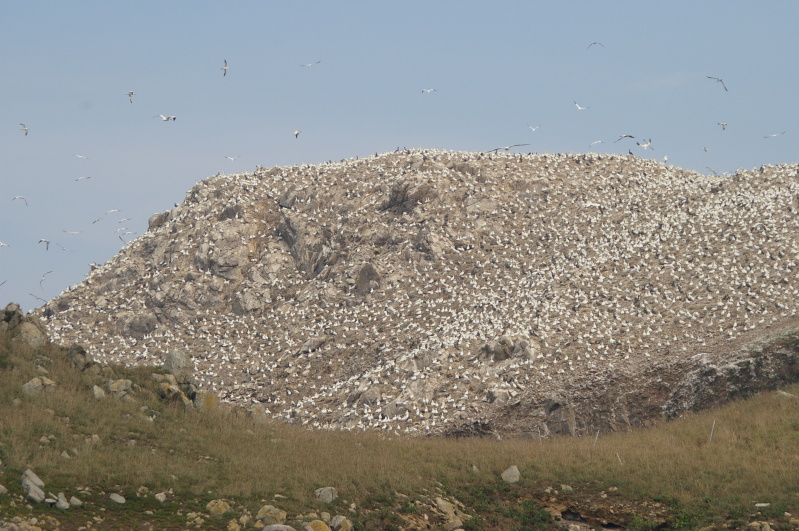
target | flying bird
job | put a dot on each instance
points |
(233, 158)
(621, 137)
(774, 135)
(595, 42)
(312, 64)
(646, 145)
(595, 142)
(24, 128)
(719, 80)
(705, 149)
(428, 91)
(296, 133)
(82, 157)
(46, 244)
(21, 197)
(723, 125)
(579, 107)
(507, 148)
(166, 118)
(3, 244)
(130, 95)
(224, 69)
(533, 129)
(83, 178)
(42, 279)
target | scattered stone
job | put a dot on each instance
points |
(278, 527)
(316, 525)
(161, 497)
(269, 514)
(179, 364)
(217, 507)
(119, 387)
(3, 490)
(326, 494)
(37, 385)
(61, 502)
(78, 357)
(762, 505)
(566, 489)
(511, 475)
(341, 523)
(117, 498)
(97, 392)
(75, 502)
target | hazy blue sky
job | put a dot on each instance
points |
(496, 67)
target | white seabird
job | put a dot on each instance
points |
(507, 148)
(167, 118)
(719, 80)
(21, 197)
(24, 128)
(225, 69)
(296, 133)
(579, 107)
(130, 95)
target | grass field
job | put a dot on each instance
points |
(704, 470)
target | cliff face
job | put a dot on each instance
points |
(429, 292)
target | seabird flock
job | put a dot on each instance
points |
(598, 261)
(601, 263)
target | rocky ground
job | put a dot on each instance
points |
(435, 292)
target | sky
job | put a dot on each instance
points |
(93, 167)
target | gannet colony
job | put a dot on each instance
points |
(428, 292)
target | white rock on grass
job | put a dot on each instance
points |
(326, 494)
(511, 475)
(161, 497)
(117, 498)
(3, 490)
(75, 502)
(61, 502)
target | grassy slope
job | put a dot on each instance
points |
(674, 474)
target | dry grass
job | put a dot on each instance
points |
(752, 457)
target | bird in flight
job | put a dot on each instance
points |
(428, 91)
(595, 142)
(84, 157)
(774, 135)
(595, 42)
(233, 158)
(71, 232)
(225, 68)
(83, 178)
(723, 125)
(21, 197)
(296, 133)
(167, 118)
(507, 148)
(533, 129)
(42, 279)
(130, 95)
(24, 128)
(312, 64)
(646, 145)
(579, 107)
(621, 137)
(3, 244)
(46, 244)
(719, 80)
(705, 149)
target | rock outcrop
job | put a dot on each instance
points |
(460, 293)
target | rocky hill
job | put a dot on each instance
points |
(461, 293)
